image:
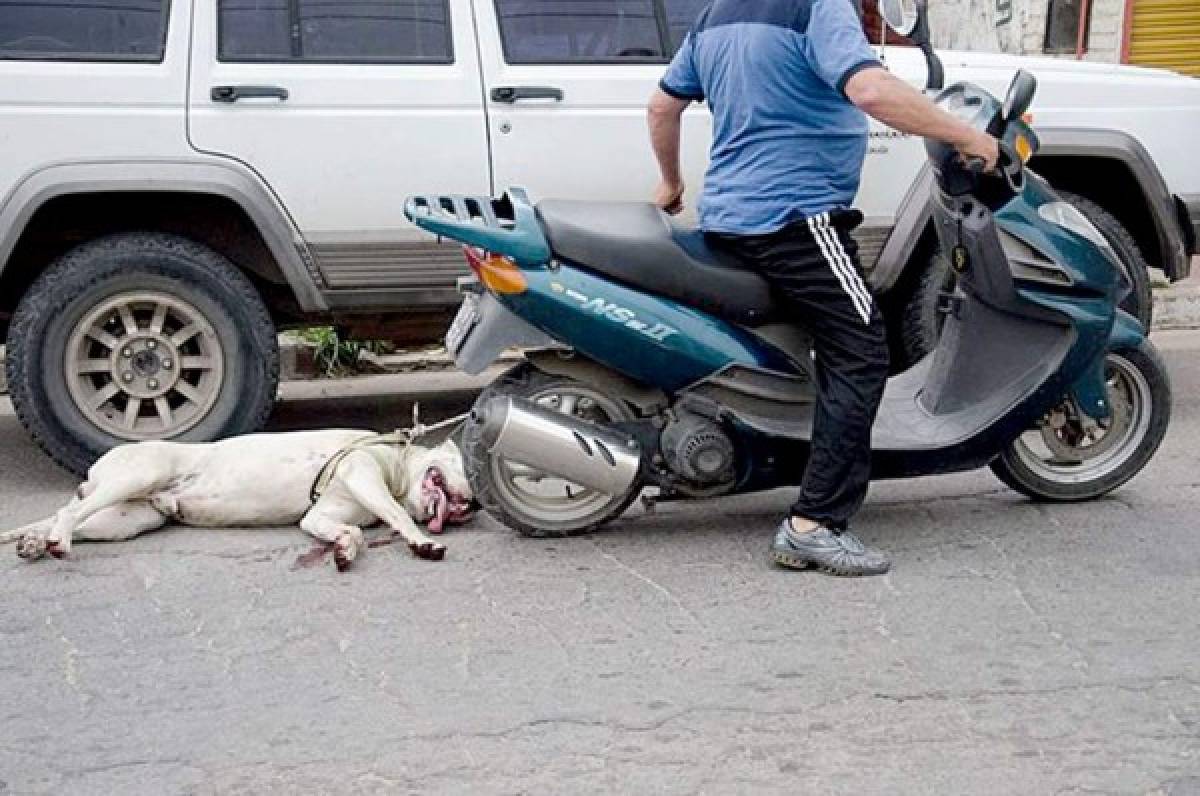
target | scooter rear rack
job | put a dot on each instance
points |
(507, 226)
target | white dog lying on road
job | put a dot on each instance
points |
(262, 479)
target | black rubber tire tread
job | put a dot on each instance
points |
(88, 269)
(919, 326)
(521, 381)
(1140, 301)
(1009, 468)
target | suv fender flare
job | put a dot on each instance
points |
(914, 213)
(197, 176)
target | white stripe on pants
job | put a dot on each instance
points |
(839, 261)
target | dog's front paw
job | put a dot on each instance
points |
(430, 551)
(347, 547)
(31, 547)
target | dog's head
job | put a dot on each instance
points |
(438, 492)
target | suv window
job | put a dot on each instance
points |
(680, 16)
(579, 31)
(337, 31)
(114, 30)
(594, 31)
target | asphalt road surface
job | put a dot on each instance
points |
(1015, 648)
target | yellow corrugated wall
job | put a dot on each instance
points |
(1166, 33)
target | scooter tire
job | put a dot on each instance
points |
(1012, 468)
(525, 381)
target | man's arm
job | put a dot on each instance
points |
(664, 115)
(897, 104)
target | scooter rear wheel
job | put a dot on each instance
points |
(534, 503)
(1061, 460)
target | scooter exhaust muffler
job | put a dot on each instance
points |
(560, 445)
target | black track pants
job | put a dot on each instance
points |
(813, 266)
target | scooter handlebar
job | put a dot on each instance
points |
(1011, 167)
(975, 165)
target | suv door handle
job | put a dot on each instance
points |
(511, 94)
(235, 93)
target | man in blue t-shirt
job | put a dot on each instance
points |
(787, 82)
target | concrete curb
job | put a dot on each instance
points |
(297, 363)
(1178, 306)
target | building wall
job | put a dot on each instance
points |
(1019, 26)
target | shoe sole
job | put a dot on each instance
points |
(793, 561)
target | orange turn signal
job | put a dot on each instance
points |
(1024, 148)
(498, 273)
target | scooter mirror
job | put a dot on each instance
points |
(910, 19)
(1020, 95)
(900, 15)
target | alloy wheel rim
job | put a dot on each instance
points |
(144, 365)
(546, 498)
(1063, 452)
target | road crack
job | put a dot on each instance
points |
(651, 582)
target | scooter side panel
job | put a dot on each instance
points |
(1091, 269)
(1127, 332)
(1079, 316)
(648, 338)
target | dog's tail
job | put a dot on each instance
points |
(10, 536)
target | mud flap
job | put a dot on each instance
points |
(494, 329)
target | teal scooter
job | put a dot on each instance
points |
(652, 362)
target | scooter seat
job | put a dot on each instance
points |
(635, 243)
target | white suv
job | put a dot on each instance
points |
(181, 179)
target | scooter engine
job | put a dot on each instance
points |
(698, 450)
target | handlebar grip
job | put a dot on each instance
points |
(975, 165)
(1011, 167)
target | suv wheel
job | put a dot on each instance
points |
(921, 322)
(140, 336)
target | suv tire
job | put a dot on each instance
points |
(200, 362)
(921, 322)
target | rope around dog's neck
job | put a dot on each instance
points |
(401, 436)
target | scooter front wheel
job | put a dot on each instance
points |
(531, 502)
(1067, 457)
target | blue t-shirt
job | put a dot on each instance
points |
(787, 143)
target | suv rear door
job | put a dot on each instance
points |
(566, 85)
(89, 82)
(344, 107)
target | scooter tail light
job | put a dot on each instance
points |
(498, 273)
(475, 257)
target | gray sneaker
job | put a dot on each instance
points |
(822, 549)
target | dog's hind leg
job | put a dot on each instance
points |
(347, 539)
(41, 527)
(94, 496)
(113, 524)
(36, 538)
(120, 522)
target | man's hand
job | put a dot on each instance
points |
(983, 147)
(669, 196)
(663, 114)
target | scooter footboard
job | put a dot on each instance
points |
(484, 328)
